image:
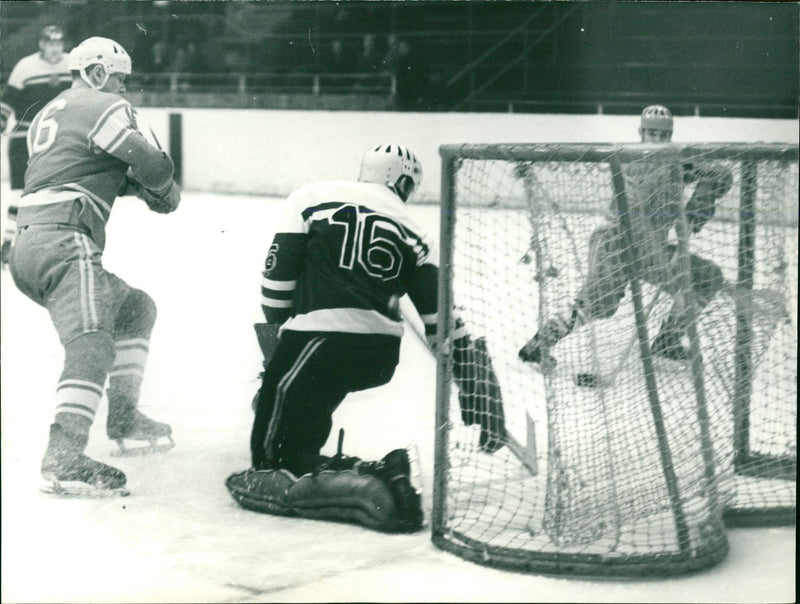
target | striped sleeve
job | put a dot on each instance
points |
(279, 278)
(113, 127)
(20, 73)
(6, 110)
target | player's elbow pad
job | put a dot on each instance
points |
(154, 172)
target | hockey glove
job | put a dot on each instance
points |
(267, 335)
(162, 202)
(479, 394)
(713, 182)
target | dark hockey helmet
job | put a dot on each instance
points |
(394, 166)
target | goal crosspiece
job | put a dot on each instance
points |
(639, 474)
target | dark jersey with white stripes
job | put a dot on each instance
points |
(341, 259)
(32, 84)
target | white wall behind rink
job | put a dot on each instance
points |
(266, 152)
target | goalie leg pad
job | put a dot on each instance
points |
(479, 394)
(349, 496)
(706, 278)
(605, 283)
(264, 491)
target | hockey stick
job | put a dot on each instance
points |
(155, 138)
(526, 454)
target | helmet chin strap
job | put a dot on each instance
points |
(85, 77)
(403, 187)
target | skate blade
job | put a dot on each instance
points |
(142, 450)
(80, 489)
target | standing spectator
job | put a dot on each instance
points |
(335, 60)
(161, 57)
(392, 54)
(370, 59)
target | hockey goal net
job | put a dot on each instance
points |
(639, 461)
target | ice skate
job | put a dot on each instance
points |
(66, 471)
(134, 425)
(395, 471)
(533, 352)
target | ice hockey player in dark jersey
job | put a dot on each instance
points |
(655, 200)
(341, 259)
(35, 81)
(85, 150)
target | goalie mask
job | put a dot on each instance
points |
(656, 118)
(99, 51)
(394, 166)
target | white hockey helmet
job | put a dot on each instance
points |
(656, 117)
(387, 164)
(99, 51)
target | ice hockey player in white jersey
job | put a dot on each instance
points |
(85, 150)
(35, 81)
(341, 259)
(655, 199)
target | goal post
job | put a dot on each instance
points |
(641, 467)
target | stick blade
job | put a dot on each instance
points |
(525, 454)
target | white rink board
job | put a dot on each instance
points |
(268, 152)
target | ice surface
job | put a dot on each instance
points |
(179, 537)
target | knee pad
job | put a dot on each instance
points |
(137, 315)
(89, 357)
(707, 280)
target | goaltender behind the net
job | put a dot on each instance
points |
(655, 208)
(85, 150)
(341, 259)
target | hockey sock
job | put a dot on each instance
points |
(80, 388)
(133, 325)
(127, 372)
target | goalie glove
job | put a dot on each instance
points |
(267, 335)
(162, 202)
(479, 394)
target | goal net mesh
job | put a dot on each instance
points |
(642, 456)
